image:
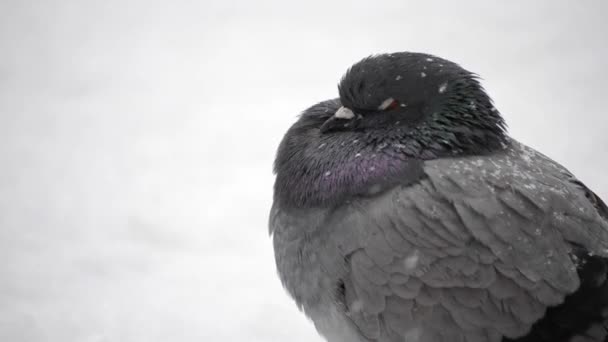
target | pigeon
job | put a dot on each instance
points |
(404, 212)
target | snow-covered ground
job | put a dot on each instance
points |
(137, 137)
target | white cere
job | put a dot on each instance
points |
(398, 78)
(411, 261)
(423, 74)
(344, 113)
(443, 87)
(386, 103)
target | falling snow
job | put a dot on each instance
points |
(443, 87)
(129, 226)
(411, 261)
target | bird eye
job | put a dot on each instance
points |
(389, 104)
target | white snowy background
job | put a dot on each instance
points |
(137, 139)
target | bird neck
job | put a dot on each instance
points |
(330, 170)
(316, 170)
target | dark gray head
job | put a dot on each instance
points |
(394, 111)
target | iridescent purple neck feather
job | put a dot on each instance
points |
(314, 169)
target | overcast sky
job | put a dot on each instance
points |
(137, 140)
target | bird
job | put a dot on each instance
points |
(404, 212)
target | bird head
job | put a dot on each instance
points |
(418, 96)
(395, 111)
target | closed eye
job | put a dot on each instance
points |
(389, 104)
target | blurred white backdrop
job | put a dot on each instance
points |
(137, 139)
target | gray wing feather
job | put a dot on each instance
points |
(476, 251)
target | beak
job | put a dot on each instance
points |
(343, 120)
